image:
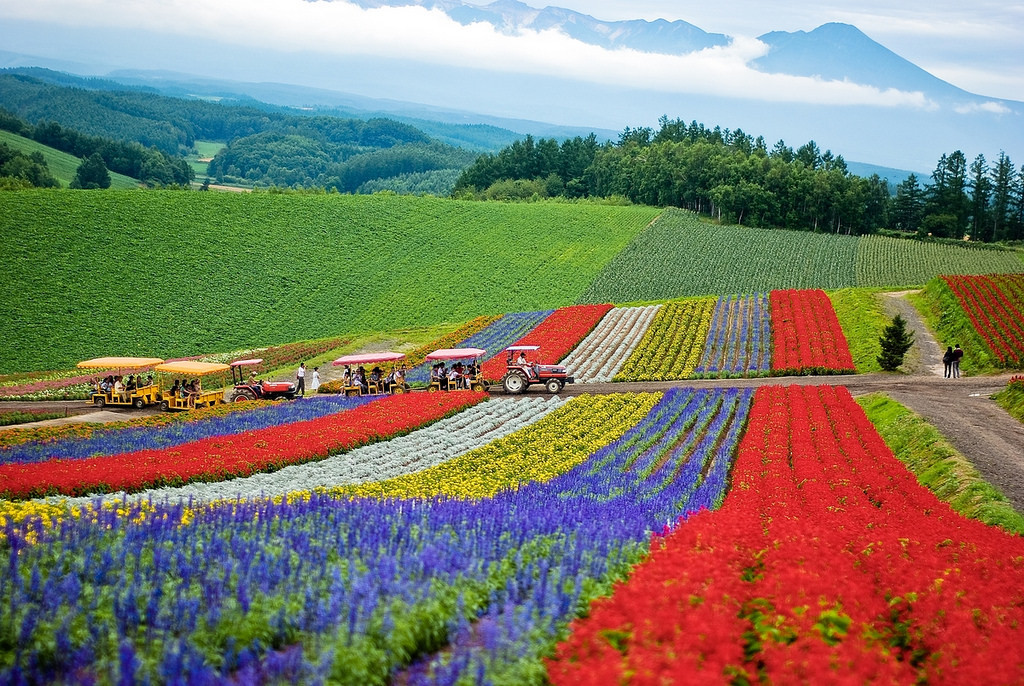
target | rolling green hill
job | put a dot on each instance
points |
(173, 273)
(61, 164)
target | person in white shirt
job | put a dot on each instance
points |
(300, 376)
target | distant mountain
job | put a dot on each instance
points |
(661, 36)
(841, 52)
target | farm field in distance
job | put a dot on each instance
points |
(62, 165)
(180, 273)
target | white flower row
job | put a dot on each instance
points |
(416, 451)
(602, 353)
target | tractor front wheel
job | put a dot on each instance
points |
(554, 385)
(514, 383)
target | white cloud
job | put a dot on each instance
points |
(990, 107)
(412, 32)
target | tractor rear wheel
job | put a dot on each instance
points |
(514, 383)
(242, 396)
(554, 385)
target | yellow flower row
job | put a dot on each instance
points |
(674, 343)
(552, 446)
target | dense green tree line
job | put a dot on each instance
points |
(305, 159)
(982, 201)
(736, 178)
(149, 165)
(18, 170)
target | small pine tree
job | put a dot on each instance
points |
(895, 342)
(91, 173)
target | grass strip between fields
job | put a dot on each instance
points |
(1011, 399)
(944, 316)
(938, 465)
(862, 317)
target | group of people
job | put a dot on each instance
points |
(188, 391)
(458, 376)
(951, 362)
(121, 387)
(375, 379)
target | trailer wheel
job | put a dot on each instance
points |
(139, 403)
(554, 385)
(514, 384)
(99, 401)
(164, 406)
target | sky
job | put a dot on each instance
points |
(976, 46)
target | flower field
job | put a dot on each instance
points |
(807, 335)
(673, 345)
(994, 304)
(489, 581)
(222, 456)
(600, 356)
(827, 563)
(461, 541)
(557, 335)
(739, 340)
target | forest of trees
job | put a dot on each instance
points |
(18, 170)
(738, 178)
(149, 165)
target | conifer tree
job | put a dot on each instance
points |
(895, 342)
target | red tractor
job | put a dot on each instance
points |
(252, 389)
(520, 373)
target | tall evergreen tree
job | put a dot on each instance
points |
(1002, 199)
(908, 205)
(981, 190)
(895, 342)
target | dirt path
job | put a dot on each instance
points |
(925, 358)
(989, 437)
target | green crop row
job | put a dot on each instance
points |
(172, 273)
(883, 261)
(681, 255)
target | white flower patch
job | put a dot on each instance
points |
(602, 353)
(414, 452)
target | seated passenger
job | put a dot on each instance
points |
(175, 387)
(453, 379)
(107, 384)
(119, 389)
(346, 379)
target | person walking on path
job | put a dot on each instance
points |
(957, 354)
(300, 376)
(316, 379)
(947, 363)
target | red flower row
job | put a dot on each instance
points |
(557, 336)
(222, 457)
(806, 335)
(827, 563)
(994, 308)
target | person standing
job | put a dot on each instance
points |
(957, 354)
(300, 377)
(947, 363)
(316, 379)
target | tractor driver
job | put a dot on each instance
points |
(255, 384)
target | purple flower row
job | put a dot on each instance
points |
(739, 339)
(337, 589)
(131, 439)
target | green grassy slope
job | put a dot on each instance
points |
(680, 255)
(61, 164)
(176, 273)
